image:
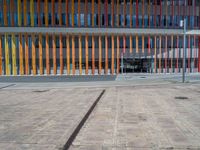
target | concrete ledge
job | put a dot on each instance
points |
(58, 78)
(96, 31)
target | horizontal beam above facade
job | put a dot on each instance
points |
(97, 31)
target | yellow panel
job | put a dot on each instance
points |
(7, 57)
(21, 55)
(14, 55)
(19, 7)
(32, 12)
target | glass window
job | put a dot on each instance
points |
(82, 19)
(89, 20)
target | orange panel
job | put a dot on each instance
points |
(5, 13)
(131, 44)
(137, 49)
(100, 55)
(12, 11)
(40, 55)
(26, 55)
(33, 54)
(0, 56)
(113, 55)
(47, 54)
(61, 54)
(54, 55)
(80, 55)
(73, 56)
(93, 55)
(86, 54)
(25, 12)
(68, 56)
(46, 13)
(143, 44)
(118, 55)
(106, 54)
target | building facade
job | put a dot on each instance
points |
(50, 37)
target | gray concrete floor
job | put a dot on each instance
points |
(144, 117)
(134, 113)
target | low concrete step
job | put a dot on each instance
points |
(58, 78)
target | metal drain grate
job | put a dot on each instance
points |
(181, 97)
(40, 91)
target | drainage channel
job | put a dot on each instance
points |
(7, 86)
(82, 122)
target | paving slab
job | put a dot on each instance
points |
(39, 119)
(144, 117)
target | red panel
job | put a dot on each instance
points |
(67, 9)
(166, 53)
(172, 12)
(199, 57)
(195, 52)
(136, 13)
(177, 53)
(189, 54)
(149, 45)
(38, 11)
(155, 11)
(124, 44)
(106, 12)
(160, 13)
(53, 12)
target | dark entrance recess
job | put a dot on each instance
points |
(136, 65)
